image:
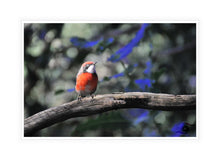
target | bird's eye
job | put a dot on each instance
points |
(87, 66)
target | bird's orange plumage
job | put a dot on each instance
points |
(86, 81)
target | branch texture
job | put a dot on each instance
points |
(107, 102)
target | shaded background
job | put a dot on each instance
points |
(159, 58)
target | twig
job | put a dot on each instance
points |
(115, 32)
(107, 102)
(175, 50)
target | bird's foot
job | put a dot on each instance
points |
(79, 99)
(92, 100)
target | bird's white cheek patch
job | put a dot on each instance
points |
(91, 69)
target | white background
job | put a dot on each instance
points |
(14, 147)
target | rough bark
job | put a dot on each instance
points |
(107, 102)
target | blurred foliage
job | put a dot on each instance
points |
(159, 58)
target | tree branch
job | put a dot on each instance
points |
(175, 50)
(107, 102)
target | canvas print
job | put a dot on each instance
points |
(109, 79)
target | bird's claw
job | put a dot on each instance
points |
(92, 100)
(79, 99)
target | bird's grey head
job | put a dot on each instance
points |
(89, 68)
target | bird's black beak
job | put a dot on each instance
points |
(95, 63)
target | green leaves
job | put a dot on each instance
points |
(59, 91)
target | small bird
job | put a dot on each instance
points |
(86, 80)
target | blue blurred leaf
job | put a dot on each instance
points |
(141, 118)
(142, 83)
(149, 66)
(128, 70)
(124, 51)
(180, 129)
(149, 133)
(71, 90)
(192, 81)
(104, 44)
(114, 76)
(135, 114)
(118, 75)
(110, 40)
(42, 34)
(82, 43)
(135, 65)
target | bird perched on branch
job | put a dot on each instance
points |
(86, 80)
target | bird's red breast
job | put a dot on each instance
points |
(86, 83)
